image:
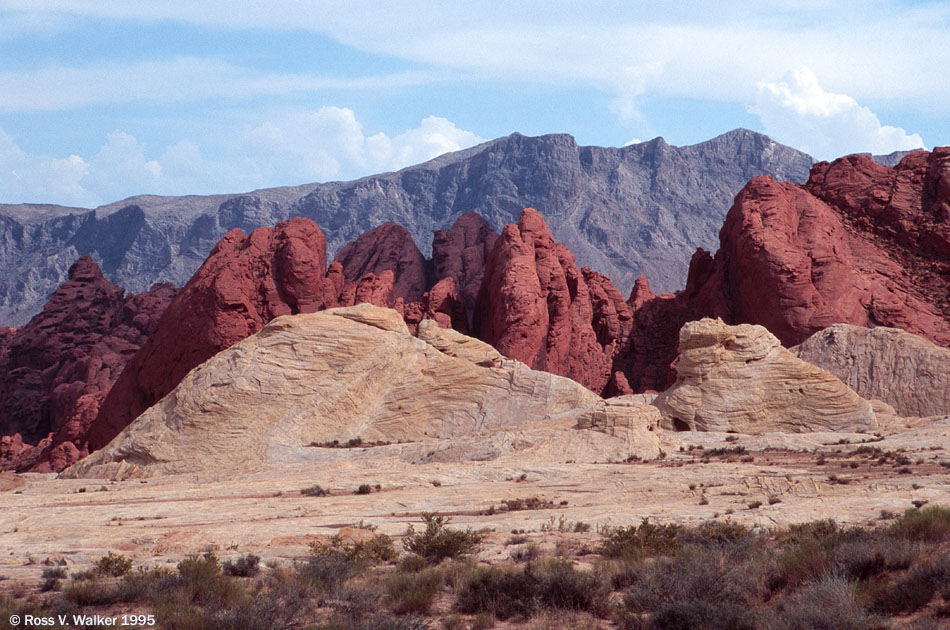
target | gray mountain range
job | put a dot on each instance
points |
(643, 208)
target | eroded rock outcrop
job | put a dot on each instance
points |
(58, 367)
(741, 379)
(860, 243)
(461, 252)
(388, 247)
(246, 281)
(335, 375)
(535, 306)
(904, 370)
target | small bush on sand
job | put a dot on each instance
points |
(438, 542)
(113, 565)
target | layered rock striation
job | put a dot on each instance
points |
(904, 370)
(336, 375)
(740, 379)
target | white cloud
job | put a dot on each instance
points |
(29, 178)
(799, 112)
(168, 81)
(627, 49)
(295, 148)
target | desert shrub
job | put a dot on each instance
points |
(736, 574)
(931, 524)
(245, 566)
(915, 589)
(560, 620)
(378, 620)
(438, 542)
(826, 604)
(269, 610)
(414, 592)
(715, 533)
(691, 615)
(145, 584)
(634, 540)
(329, 567)
(314, 491)
(803, 561)
(113, 565)
(200, 580)
(506, 593)
(412, 563)
(9, 606)
(93, 592)
(527, 553)
(58, 573)
(364, 488)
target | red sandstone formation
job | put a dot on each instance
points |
(61, 364)
(249, 280)
(461, 252)
(246, 281)
(860, 243)
(535, 305)
(387, 248)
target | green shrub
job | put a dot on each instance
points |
(438, 542)
(113, 565)
(931, 524)
(414, 592)
(634, 540)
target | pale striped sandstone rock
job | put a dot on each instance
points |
(340, 374)
(740, 378)
(902, 369)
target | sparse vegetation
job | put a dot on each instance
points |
(650, 576)
(438, 542)
(314, 491)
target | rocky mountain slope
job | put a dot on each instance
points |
(623, 211)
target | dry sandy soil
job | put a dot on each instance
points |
(161, 519)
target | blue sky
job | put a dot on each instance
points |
(103, 100)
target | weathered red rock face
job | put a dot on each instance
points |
(387, 248)
(461, 252)
(61, 364)
(245, 282)
(860, 243)
(535, 306)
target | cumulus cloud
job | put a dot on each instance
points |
(799, 112)
(295, 148)
(26, 178)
